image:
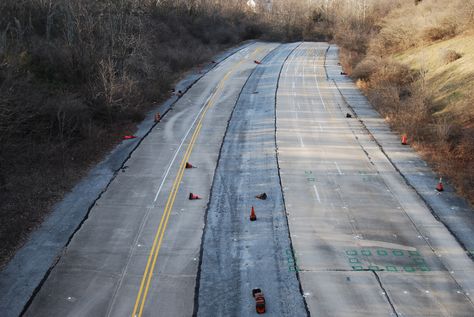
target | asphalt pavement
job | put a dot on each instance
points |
(343, 230)
(238, 254)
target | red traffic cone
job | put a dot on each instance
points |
(157, 117)
(193, 196)
(404, 140)
(129, 137)
(259, 300)
(189, 165)
(440, 186)
(253, 216)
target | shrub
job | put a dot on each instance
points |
(451, 56)
(366, 68)
(441, 32)
(393, 73)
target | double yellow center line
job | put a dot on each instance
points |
(155, 249)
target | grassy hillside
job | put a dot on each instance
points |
(418, 71)
(449, 74)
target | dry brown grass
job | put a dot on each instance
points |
(421, 93)
(451, 56)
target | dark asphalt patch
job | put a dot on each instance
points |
(239, 255)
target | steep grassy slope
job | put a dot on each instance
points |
(449, 75)
(418, 71)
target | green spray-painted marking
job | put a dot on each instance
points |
(311, 179)
(292, 261)
(397, 252)
(391, 268)
(293, 268)
(308, 172)
(408, 268)
(419, 261)
(374, 268)
(366, 252)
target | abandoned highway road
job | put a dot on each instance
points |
(340, 233)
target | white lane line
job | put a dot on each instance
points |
(338, 169)
(317, 85)
(301, 140)
(316, 192)
(147, 214)
(320, 127)
(165, 175)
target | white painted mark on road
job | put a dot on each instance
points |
(338, 169)
(316, 192)
(301, 140)
(317, 86)
(165, 175)
(320, 127)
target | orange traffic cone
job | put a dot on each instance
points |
(257, 62)
(440, 186)
(253, 216)
(189, 165)
(157, 117)
(404, 140)
(193, 196)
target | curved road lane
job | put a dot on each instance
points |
(137, 253)
(239, 255)
(365, 244)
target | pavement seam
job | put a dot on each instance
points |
(427, 205)
(377, 277)
(279, 178)
(114, 175)
(201, 250)
(407, 182)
